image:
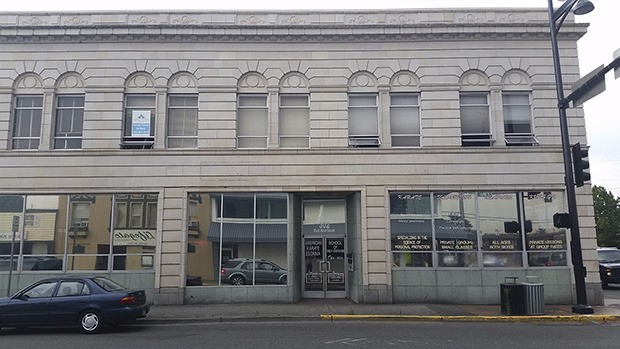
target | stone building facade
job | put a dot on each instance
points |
(391, 156)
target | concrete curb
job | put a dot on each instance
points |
(478, 318)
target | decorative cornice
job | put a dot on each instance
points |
(424, 24)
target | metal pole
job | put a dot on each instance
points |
(579, 271)
(8, 288)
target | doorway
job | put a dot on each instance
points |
(324, 249)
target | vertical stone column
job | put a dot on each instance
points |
(376, 246)
(170, 271)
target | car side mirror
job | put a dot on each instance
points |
(23, 297)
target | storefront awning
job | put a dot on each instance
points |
(243, 233)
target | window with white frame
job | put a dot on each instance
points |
(475, 119)
(294, 121)
(69, 122)
(139, 123)
(405, 119)
(363, 119)
(182, 121)
(27, 116)
(252, 124)
(518, 119)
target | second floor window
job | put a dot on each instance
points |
(252, 116)
(475, 120)
(27, 115)
(182, 121)
(294, 121)
(405, 119)
(518, 118)
(363, 119)
(139, 123)
(69, 122)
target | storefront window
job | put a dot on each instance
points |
(546, 244)
(11, 207)
(455, 224)
(476, 229)
(245, 240)
(73, 232)
(410, 222)
(500, 229)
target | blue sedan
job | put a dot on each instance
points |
(87, 301)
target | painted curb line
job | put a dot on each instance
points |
(478, 318)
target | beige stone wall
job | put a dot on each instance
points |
(145, 52)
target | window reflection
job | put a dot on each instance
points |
(237, 238)
(73, 232)
(476, 229)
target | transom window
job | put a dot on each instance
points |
(475, 121)
(405, 119)
(252, 116)
(182, 121)
(69, 122)
(27, 114)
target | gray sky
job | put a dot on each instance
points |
(595, 48)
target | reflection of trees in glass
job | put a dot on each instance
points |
(410, 203)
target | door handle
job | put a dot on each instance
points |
(329, 267)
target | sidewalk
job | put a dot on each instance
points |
(343, 309)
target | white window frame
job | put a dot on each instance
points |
(282, 113)
(363, 139)
(138, 142)
(191, 139)
(34, 135)
(66, 137)
(516, 138)
(478, 138)
(394, 131)
(262, 111)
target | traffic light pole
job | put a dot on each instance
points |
(579, 271)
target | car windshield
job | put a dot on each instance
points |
(108, 284)
(609, 256)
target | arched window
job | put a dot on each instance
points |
(69, 112)
(363, 110)
(27, 112)
(182, 112)
(517, 108)
(294, 111)
(252, 111)
(474, 101)
(405, 110)
(139, 112)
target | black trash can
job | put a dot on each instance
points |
(512, 297)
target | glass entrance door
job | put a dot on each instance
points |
(325, 273)
(324, 249)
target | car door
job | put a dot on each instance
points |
(69, 300)
(31, 307)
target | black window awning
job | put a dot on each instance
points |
(243, 233)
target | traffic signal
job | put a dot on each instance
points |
(580, 164)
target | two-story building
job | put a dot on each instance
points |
(381, 156)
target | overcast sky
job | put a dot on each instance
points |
(595, 48)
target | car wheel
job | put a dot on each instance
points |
(283, 280)
(237, 280)
(90, 322)
(605, 285)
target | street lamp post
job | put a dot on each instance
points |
(556, 18)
